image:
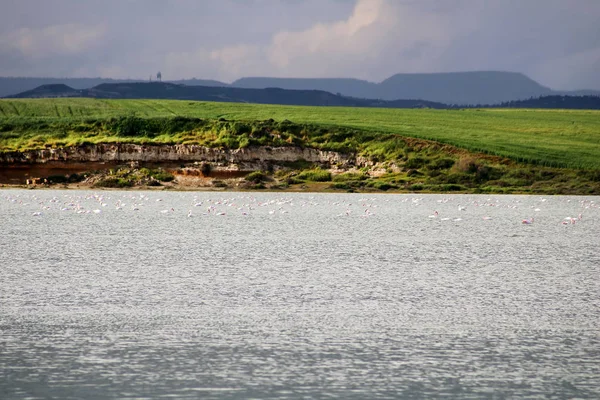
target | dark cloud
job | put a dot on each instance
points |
(553, 41)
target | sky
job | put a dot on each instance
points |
(555, 42)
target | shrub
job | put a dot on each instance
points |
(460, 177)
(292, 180)
(163, 176)
(483, 173)
(129, 126)
(153, 182)
(441, 163)
(383, 186)
(315, 175)
(158, 174)
(256, 177)
(350, 176)
(239, 128)
(434, 173)
(524, 175)
(228, 142)
(416, 162)
(467, 164)
(340, 185)
(205, 168)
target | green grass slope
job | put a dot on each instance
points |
(557, 138)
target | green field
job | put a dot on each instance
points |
(557, 138)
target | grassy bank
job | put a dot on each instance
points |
(553, 138)
(471, 151)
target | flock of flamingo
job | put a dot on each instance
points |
(245, 204)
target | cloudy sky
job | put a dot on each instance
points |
(556, 42)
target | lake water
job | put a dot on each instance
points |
(280, 295)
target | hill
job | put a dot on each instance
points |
(463, 87)
(460, 88)
(347, 87)
(163, 90)
(12, 86)
(51, 91)
(171, 91)
(457, 88)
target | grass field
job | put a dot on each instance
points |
(558, 138)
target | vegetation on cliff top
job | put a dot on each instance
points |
(557, 138)
(496, 151)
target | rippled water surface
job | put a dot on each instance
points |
(279, 295)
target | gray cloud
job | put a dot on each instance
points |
(553, 41)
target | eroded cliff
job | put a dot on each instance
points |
(126, 152)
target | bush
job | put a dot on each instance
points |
(205, 168)
(256, 177)
(483, 173)
(350, 176)
(340, 185)
(292, 180)
(239, 128)
(459, 177)
(153, 182)
(227, 142)
(129, 126)
(383, 186)
(434, 173)
(467, 164)
(441, 163)
(415, 162)
(163, 176)
(315, 175)
(159, 174)
(522, 175)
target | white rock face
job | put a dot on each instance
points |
(126, 152)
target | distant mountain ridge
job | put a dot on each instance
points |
(453, 88)
(164, 90)
(460, 88)
(13, 86)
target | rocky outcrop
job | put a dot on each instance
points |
(127, 152)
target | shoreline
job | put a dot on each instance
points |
(428, 168)
(309, 189)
